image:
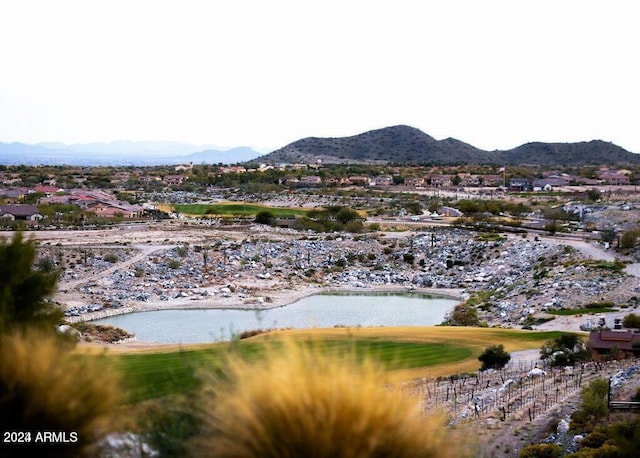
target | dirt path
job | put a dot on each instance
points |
(593, 252)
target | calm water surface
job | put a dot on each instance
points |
(321, 311)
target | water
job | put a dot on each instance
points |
(321, 311)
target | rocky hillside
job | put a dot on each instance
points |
(405, 144)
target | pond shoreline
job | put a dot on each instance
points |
(327, 310)
(274, 299)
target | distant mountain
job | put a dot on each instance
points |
(127, 147)
(405, 144)
(231, 156)
(120, 153)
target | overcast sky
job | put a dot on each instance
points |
(264, 73)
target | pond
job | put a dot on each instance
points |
(317, 311)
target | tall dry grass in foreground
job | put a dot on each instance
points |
(44, 387)
(297, 401)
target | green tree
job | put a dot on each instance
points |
(24, 290)
(593, 195)
(631, 321)
(346, 215)
(566, 350)
(265, 217)
(494, 357)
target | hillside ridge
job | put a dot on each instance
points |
(409, 145)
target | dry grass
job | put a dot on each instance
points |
(297, 401)
(44, 387)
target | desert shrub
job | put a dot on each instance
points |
(494, 357)
(173, 264)
(629, 238)
(44, 387)
(111, 257)
(594, 440)
(463, 314)
(594, 406)
(297, 401)
(541, 451)
(408, 258)
(618, 439)
(265, 217)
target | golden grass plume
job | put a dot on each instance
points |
(46, 388)
(299, 401)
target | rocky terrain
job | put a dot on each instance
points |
(184, 266)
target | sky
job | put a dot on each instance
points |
(495, 74)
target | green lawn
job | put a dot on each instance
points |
(237, 209)
(155, 375)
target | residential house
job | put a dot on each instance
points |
(381, 181)
(357, 180)
(414, 182)
(114, 208)
(441, 181)
(613, 344)
(335, 181)
(48, 190)
(173, 180)
(20, 212)
(548, 183)
(519, 184)
(491, 180)
(467, 179)
(614, 178)
(312, 180)
(238, 169)
(14, 194)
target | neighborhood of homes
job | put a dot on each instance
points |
(98, 202)
(548, 182)
(105, 204)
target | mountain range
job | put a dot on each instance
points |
(405, 144)
(121, 153)
(396, 144)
